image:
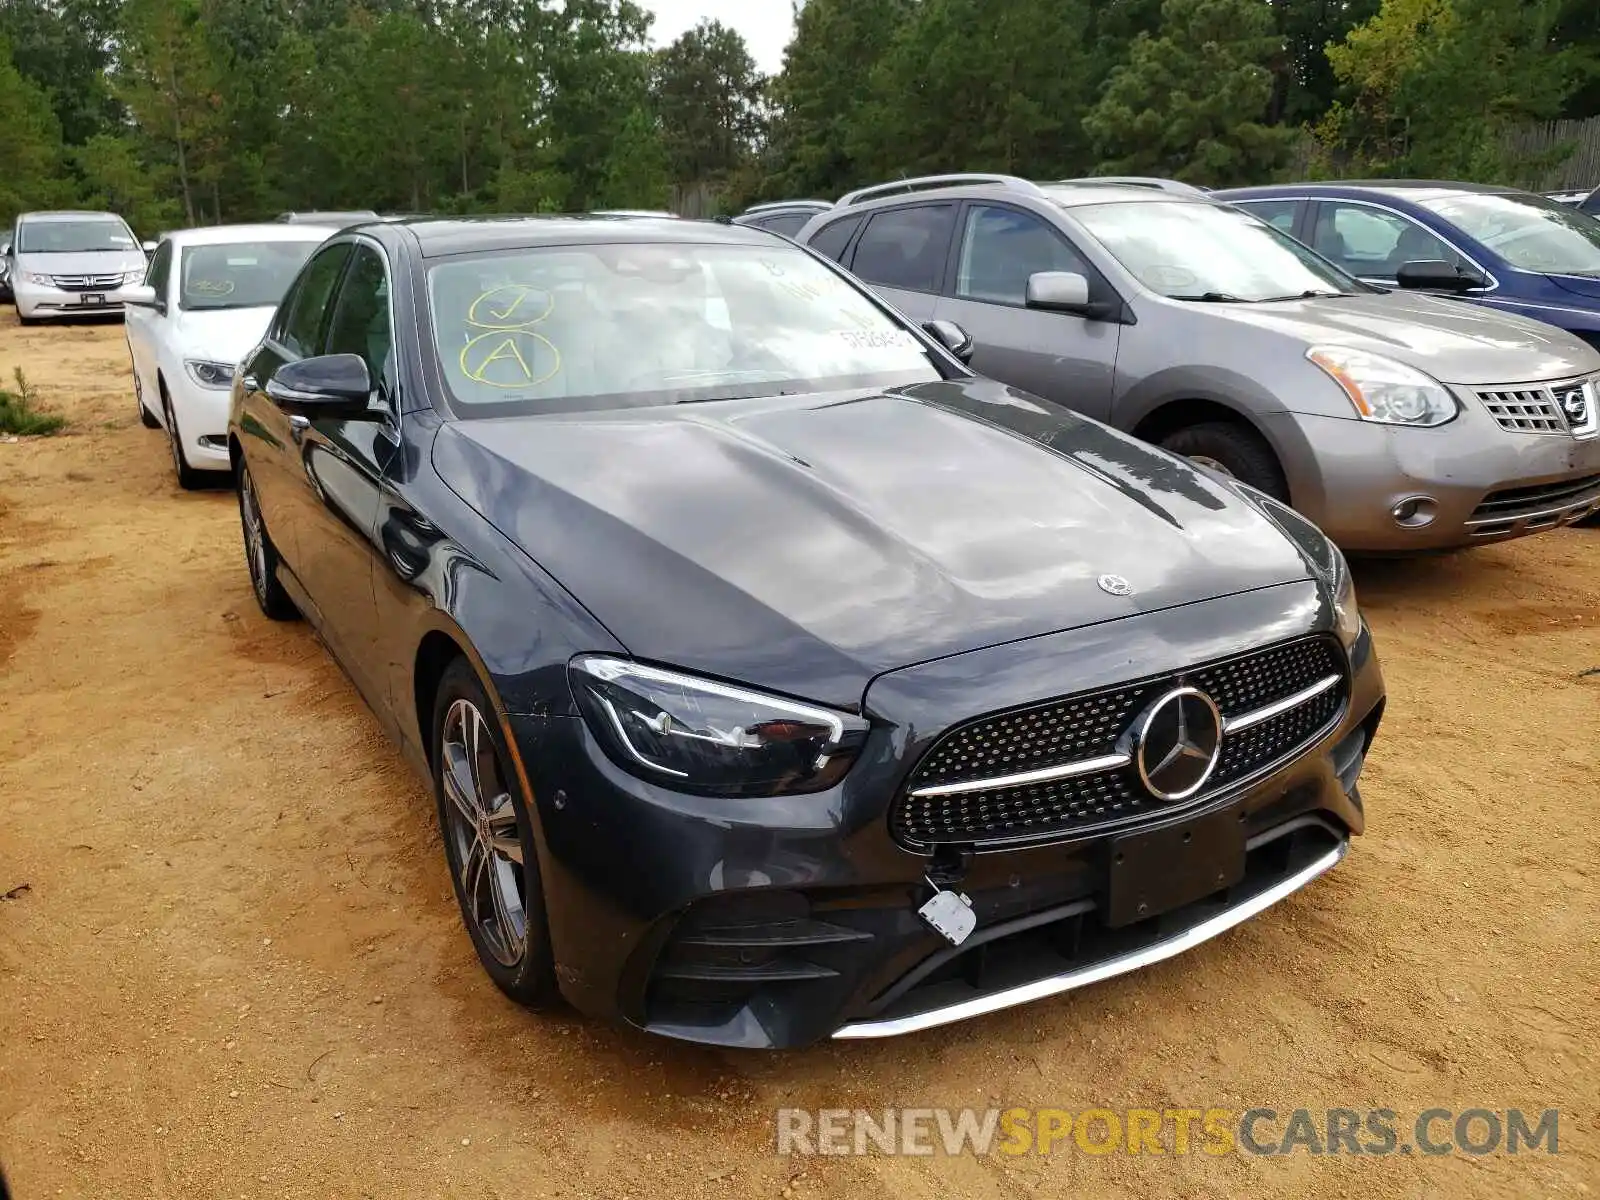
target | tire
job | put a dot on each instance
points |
(496, 881)
(188, 478)
(1236, 450)
(260, 555)
(146, 417)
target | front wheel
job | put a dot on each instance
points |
(260, 555)
(1234, 450)
(188, 478)
(488, 841)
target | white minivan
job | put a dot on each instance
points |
(67, 263)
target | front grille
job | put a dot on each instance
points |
(1072, 729)
(1536, 507)
(87, 283)
(1540, 408)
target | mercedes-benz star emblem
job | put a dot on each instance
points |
(1116, 585)
(1177, 742)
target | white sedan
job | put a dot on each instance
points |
(206, 300)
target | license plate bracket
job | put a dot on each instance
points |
(92, 299)
(1157, 871)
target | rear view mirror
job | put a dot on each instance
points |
(329, 385)
(1438, 275)
(952, 337)
(149, 248)
(1064, 291)
(138, 295)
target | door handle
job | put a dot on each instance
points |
(298, 426)
(250, 382)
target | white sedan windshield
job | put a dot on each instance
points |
(1207, 252)
(631, 324)
(1529, 232)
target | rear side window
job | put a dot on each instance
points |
(299, 324)
(832, 239)
(905, 247)
(787, 224)
(1280, 214)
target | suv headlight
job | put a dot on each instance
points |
(697, 735)
(209, 374)
(1384, 390)
(41, 280)
(133, 276)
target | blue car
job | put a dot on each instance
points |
(1494, 246)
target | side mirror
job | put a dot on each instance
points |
(139, 295)
(1063, 291)
(1438, 275)
(149, 248)
(952, 337)
(334, 385)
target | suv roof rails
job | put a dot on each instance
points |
(768, 205)
(929, 182)
(1144, 181)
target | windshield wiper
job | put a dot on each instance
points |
(1214, 298)
(1309, 294)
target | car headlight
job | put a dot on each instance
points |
(698, 735)
(1384, 390)
(133, 276)
(41, 280)
(209, 374)
(1346, 612)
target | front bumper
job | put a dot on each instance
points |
(785, 921)
(202, 415)
(1470, 480)
(40, 300)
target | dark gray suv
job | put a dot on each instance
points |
(1397, 421)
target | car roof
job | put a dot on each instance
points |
(1407, 189)
(1076, 194)
(439, 236)
(67, 214)
(339, 217)
(225, 235)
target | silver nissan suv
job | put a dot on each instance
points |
(1399, 422)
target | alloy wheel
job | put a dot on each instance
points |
(483, 829)
(255, 539)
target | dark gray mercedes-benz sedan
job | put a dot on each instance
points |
(778, 679)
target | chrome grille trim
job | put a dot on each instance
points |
(1537, 407)
(1088, 766)
(87, 283)
(1246, 720)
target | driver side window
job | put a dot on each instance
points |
(1002, 247)
(299, 324)
(159, 271)
(360, 323)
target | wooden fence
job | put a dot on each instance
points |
(1540, 150)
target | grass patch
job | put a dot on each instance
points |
(19, 409)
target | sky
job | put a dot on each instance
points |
(765, 24)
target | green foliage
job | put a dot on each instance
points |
(1434, 85)
(709, 97)
(19, 410)
(30, 142)
(1191, 102)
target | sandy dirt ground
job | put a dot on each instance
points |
(231, 964)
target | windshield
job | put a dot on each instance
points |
(241, 275)
(1207, 252)
(84, 236)
(1527, 231)
(629, 325)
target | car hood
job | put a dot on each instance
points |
(806, 544)
(1454, 341)
(222, 335)
(1586, 286)
(88, 262)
